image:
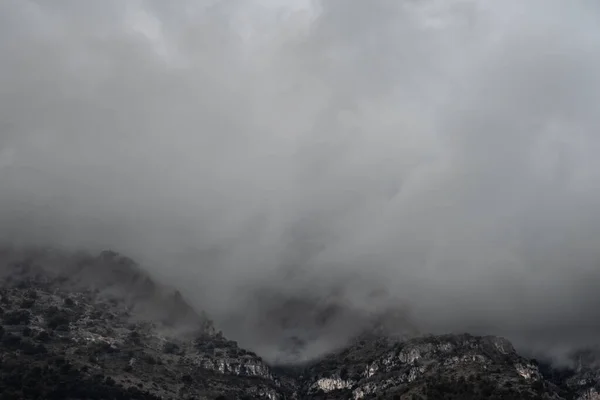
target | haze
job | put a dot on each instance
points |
(436, 157)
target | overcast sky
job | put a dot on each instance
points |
(437, 156)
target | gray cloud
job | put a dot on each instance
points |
(433, 155)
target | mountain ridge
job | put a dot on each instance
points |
(99, 327)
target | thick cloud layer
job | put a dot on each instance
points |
(436, 156)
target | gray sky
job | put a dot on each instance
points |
(438, 156)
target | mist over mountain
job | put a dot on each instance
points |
(303, 171)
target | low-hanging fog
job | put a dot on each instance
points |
(434, 157)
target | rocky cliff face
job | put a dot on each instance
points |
(450, 366)
(81, 327)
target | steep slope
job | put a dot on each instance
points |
(60, 340)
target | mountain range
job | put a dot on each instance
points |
(81, 326)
